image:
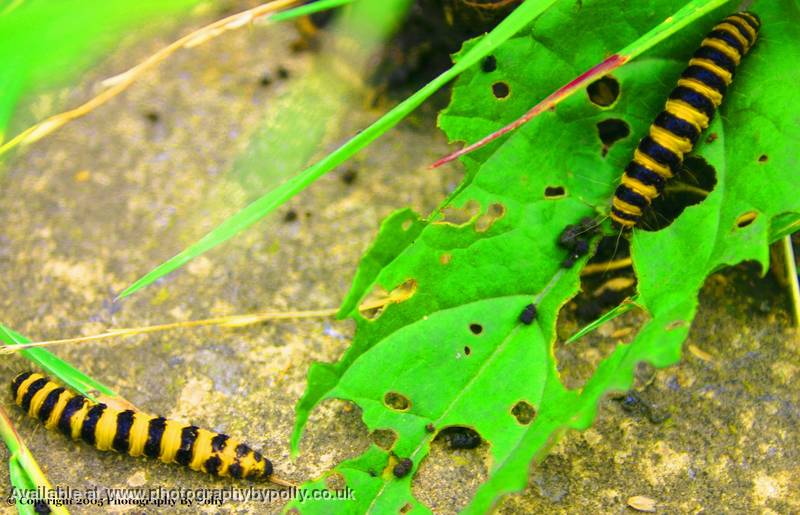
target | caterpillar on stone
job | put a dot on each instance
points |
(135, 433)
(687, 112)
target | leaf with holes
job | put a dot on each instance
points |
(455, 352)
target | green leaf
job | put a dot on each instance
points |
(276, 197)
(471, 275)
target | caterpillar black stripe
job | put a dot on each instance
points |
(136, 433)
(687, 113)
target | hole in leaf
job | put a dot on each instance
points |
(445, 258)
(396, 401)
(604, 91)
(458, 437)
(763, 158)
(485, 221)
(524, 412)
(476, 328)
(489, 64)
(611, 131)
(691, 186)
(553, 192)
(467, 351)
(460, 216)
(746, 219)
(335, 482)
(404, 291)
(379, 299)
(606, 263)
(500, 90)
(622, 284)
(384, 438)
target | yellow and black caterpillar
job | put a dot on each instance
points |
(687, 113)
(136, 433)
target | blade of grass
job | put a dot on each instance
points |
(243, 219)
(24, 472)
(304, 10)
(20, 482)
(791, 276)
(687, 14)
(59, 368)
(624, 307)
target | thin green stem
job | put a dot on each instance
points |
(791, 277)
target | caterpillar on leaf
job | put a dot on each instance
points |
(688, 111)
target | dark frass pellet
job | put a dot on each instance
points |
(430, 428)
(528, 314)
(568, 236)
(403, 468)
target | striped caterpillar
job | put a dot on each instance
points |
(136, 433)
(687, 112)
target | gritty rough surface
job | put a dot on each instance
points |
(89, 209)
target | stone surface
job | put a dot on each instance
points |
(87, 210)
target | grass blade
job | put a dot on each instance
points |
(304, 10)
(267, 203)
(624, 307)
(24, 472)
